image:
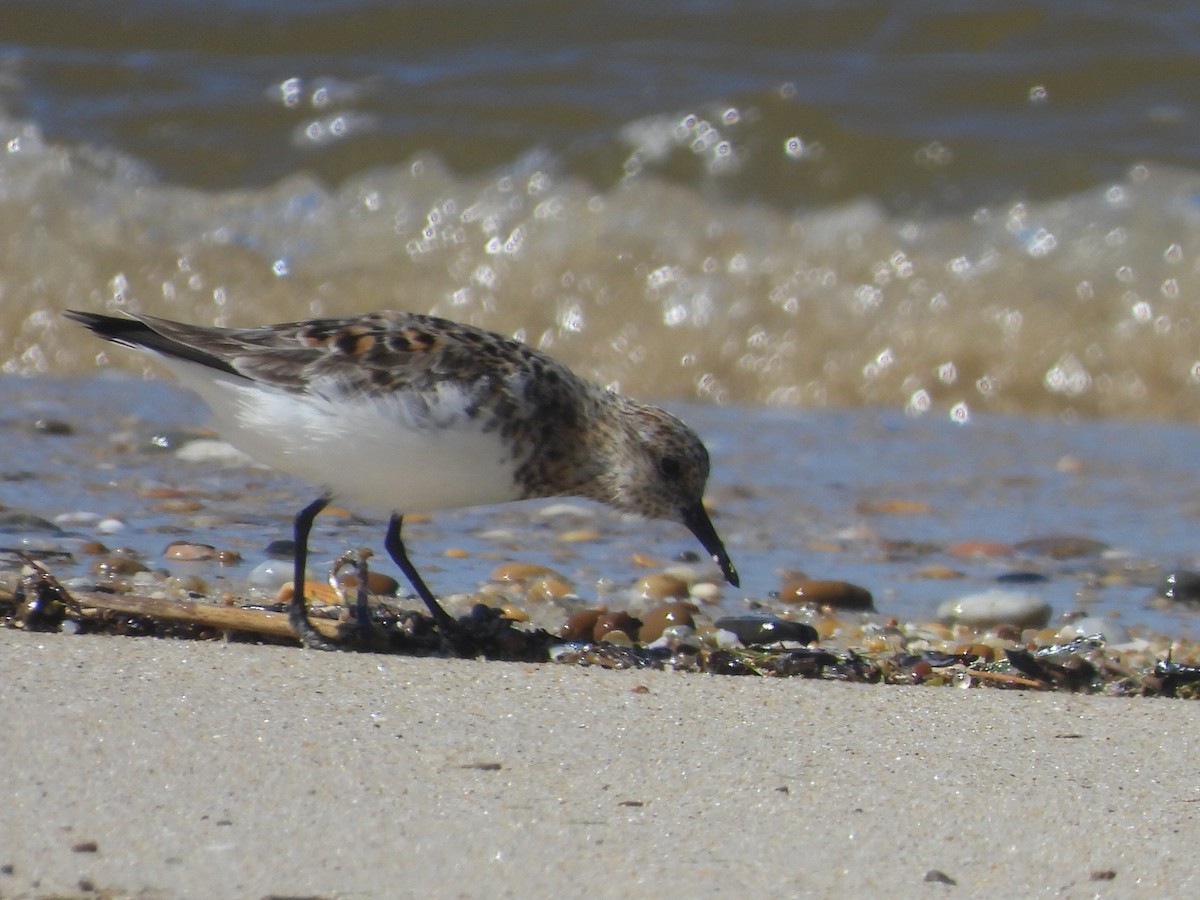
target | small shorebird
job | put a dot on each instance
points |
(411, 413)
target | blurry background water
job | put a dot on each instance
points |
(923, 205)
(942, 209)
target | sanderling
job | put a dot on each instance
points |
(411, 413)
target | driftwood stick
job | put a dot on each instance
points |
(229, 618)
(1003, 678)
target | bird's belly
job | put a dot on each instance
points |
(368, 453)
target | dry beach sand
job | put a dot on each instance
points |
(166, 768)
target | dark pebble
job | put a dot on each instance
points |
(580, 625)
(55, 427)
(282, 549)
(751, 630)
(1021, 578)
(18, 522)
(937, 876)
(722, 662)
(1182, 585)
(615, 621)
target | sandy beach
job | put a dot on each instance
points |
(167, 768)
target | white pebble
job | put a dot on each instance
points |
(272, 574)
(80, 517)
(996, 607)
(110, 526)
(1112, 632)
(205, 450)
(567, 509)
(683, 572)
(724, 640)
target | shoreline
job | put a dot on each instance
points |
(221, 769)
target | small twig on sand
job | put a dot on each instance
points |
(227, 618)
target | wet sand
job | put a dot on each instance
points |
(233, 770)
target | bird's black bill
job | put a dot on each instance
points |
(701, 526)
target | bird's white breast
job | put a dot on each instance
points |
(414, 453)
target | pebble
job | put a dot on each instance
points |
(660, 586)
(272, 574)
(520, 571)
(706, 592)
(281, 549)
(186, 551)
(180, 505)
(171, 439)
(996, 607)
(608, 623)
(1021, 578)
(160, 492)
(894, 508)
(118, 566)
(548, 588)
(378, 583)
(826, 592)
(675, 637)
(555, 510)
(752, 630)
(906, 549)
(53, 427)
(80, 518)
(1070, 464)
(209, 450)
(656, 620)
(313, 591)
(1181, 585)
(513, 613)
(110, 526)
(17, 521)
(935, 572)
(980, 548)
(618, 637)
(192, 584)
(580, 626)
(984, 651)
(579, 536)
(456, 553)
(1062, 546)
(1112, 632)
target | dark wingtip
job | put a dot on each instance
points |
(113, 328)
(140, 335)
(697, 520)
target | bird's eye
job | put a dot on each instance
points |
(669, 467)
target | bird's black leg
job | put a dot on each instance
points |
(298, 610)
(449, 629)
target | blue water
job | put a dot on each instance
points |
(792, 491)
